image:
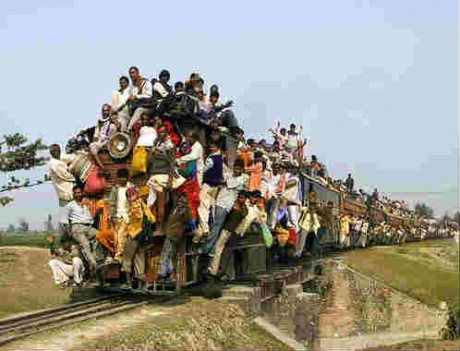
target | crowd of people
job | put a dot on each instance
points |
(191, 170)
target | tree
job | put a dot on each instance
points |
(456, 217)
(446, 217)
(423, 209)
(11, 228)
(16, 154)
(49, 224)
(23, 225)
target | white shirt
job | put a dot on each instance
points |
(229, 193)
(123, 205)
(147, 136)
(196, 154)
(77, 214)
(160, 89)
(146, 90)
(119, 99)
(62, 179)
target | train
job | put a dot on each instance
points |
(248, 256)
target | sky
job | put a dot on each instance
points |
(373, 82)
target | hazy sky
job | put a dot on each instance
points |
(374, 82)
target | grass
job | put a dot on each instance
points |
(427, 271)
(26, 282)
(30, 239)
(423, 344)
(197, 325)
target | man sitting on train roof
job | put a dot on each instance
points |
(140, 92)
(120, 102)
(161, 88)
(106, 127)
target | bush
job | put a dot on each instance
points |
(451, 330)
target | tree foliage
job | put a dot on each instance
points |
(23, 225)
(17, 154)
(456, 217)
(423, 209)
(446, 217)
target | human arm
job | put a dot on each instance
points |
(150, 216)
(208, 164)
(159, 88)
(146, 91)
(113, 205)
(195, 153)
(60, 170)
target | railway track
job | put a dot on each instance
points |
(16, 328)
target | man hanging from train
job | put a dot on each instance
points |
(80, 221)
(212, 179)
(175, 229)
(119, 211)
(66, 263)
(236, 183)
(235, 217)
(139, 230)
(276, 187)
(309, 223)
(63, 182)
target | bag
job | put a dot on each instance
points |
(292, 236)
(139, 161)
(94, 184)
(175, 226)
(145, 237)
(267, 236)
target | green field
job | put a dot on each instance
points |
(30, 239)
(427, 271)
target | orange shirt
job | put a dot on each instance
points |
(256, 171)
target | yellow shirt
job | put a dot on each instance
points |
(137, 210)
(345, 224)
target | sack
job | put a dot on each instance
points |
(267, 236)
(292, 236)
(145, 237)
(94, 184)
(139, 161)
(177, 181)
(175, 227)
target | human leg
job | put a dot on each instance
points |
(220, 245)
(136, 117)
(78, 270)
(80, 234)
(216, 227)
(61, 271)
(121, 229)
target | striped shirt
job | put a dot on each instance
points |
(77, 213)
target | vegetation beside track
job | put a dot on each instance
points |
(427, 270)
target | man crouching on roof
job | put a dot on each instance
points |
(138, 229)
